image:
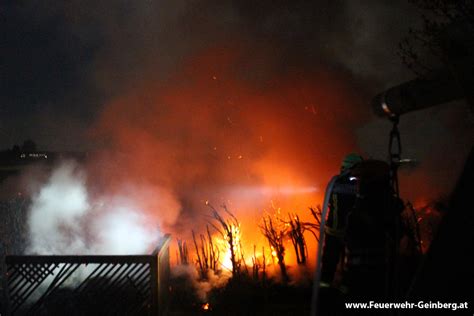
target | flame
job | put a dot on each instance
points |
(248, 238)
(209, 130)
(223, 245)
(274, 253)
(206, 306)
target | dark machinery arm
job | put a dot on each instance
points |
(417, 94)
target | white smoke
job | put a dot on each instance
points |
(202, 287)
(65, 219)
(123, 230)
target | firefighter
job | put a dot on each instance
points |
(372, 233)
(341, 203)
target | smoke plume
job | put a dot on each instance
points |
(225, 128)
(65, 219)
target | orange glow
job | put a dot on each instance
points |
(226, 130)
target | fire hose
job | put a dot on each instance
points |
(317, 273)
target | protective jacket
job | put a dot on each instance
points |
(342, 199)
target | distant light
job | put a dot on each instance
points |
(35, 155)
(352, 178)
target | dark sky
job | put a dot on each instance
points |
(60, 61)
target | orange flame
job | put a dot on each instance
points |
(211, 130)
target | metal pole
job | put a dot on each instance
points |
(317, 273)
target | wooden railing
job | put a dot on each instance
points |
(87, 285)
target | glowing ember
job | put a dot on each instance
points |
(206, 306)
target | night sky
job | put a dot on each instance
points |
(61, 61)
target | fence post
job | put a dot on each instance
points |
(163, 259)
(162, 265)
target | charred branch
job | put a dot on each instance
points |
(297, 238)
(229, 229)
(207, 254)
(258, 266)
(275, 237)
(183, 255)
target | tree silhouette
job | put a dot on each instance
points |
(275, 237)
(422, 49)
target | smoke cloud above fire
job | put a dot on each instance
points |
(222, 129)
(198, 103)
(66, 59)
(69, 60)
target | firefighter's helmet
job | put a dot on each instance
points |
(350, 161)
